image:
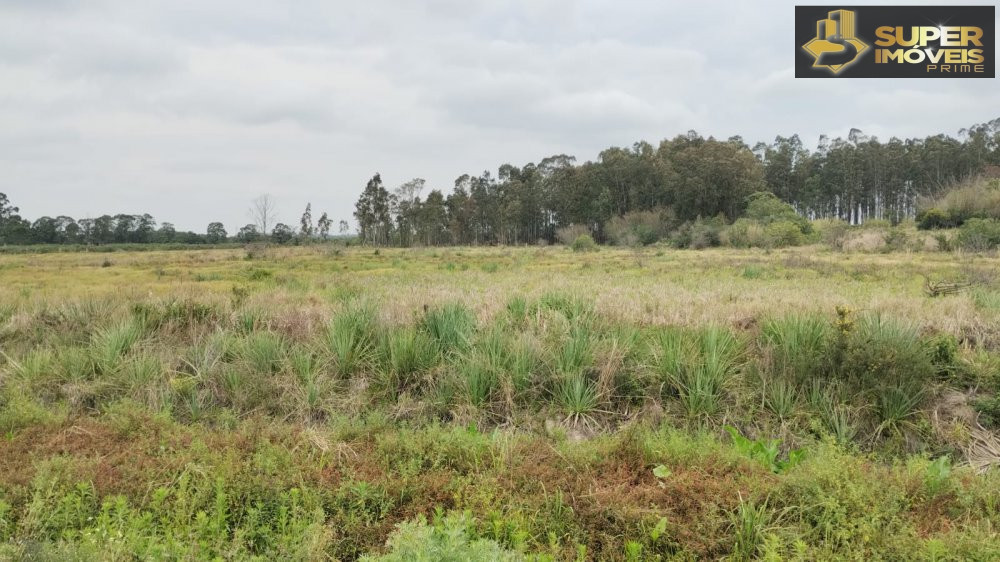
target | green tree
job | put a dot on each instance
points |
(215, 233)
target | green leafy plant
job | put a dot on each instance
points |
(767, 452)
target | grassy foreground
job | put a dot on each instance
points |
(531, 403)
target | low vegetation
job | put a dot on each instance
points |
(498, 404)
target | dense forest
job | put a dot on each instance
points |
(682, 179)
(853, 179)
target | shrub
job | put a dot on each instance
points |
(639, 227)
(977, 198)
(568, 234)
(979, 234)
(700, 233)
(745, 233)
(784, 233)
(766, 208)
(584, 243)
(933, 218)
(832, 232)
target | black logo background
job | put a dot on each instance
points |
(867, 18)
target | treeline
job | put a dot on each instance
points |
(143, 229)
(853, 179)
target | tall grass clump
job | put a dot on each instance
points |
(697, 368)
(497, 365)
(798, 346)
(576, 309)
(781, 397)
(518, 310)
(898, 403)
(479, 381)
(451, 326)
(350, 339)
(109, 345)
(575, 354)
(881, 352)
(404, 353)
(750, 523)
(262, 352)
(578, 396)
(308, 370)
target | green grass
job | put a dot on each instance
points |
(297, 404)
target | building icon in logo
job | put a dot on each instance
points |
(835, 46)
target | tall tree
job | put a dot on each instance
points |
(215, 233)
(323, 225)
(306, 222)
(263, 213)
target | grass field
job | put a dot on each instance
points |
(498, 403)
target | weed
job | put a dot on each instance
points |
(765, 451)
(749, 523)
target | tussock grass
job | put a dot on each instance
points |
(350, 338)
(262, 352)
(799, 346)
(452, 326)
(404, 354)
(109, 345)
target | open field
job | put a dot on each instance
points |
(483, 403)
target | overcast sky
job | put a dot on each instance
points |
(190, 109)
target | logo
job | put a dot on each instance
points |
(835, 46)
(895, 41)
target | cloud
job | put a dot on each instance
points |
(190, 109)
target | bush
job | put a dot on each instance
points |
(832, 232)
(745, 233)
(700, 233)
(784, 233)
(769, 223)
(584, 243)
(568, 234)
(977, 198)
(765, 208)
(934, 218)
(640, 227)
(979, 234)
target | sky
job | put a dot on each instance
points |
(188, 110)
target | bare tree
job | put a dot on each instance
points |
(344, 227)
(263, 212)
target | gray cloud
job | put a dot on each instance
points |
(189, 109)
